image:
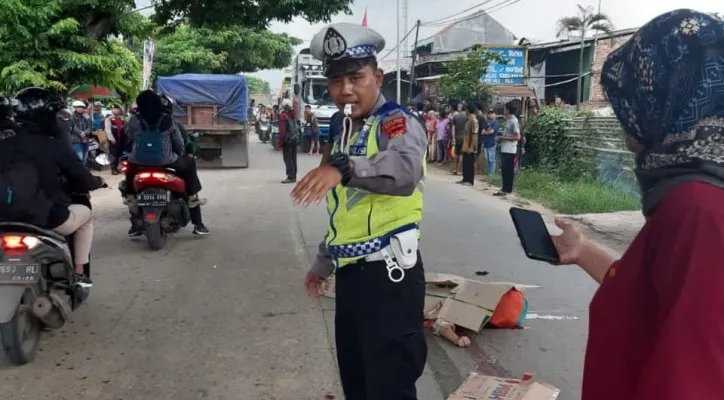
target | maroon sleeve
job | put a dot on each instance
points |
(687, 265)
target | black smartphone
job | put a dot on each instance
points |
(534, 235)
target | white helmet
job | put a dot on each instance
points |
(78, 103)
(286, 103)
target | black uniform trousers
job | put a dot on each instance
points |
(381, 348)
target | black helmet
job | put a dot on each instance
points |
(6, 107)
(39, 107)
(167, 104)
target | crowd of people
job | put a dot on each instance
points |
(472, 139)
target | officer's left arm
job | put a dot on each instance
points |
(398, 167)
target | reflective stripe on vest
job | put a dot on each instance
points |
(361, 222)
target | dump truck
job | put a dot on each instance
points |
(216, 106)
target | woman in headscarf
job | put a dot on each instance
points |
(657, 320)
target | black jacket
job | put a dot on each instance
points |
(60, 171)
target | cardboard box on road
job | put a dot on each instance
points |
(482, 387)
(464, 302)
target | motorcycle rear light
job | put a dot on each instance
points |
(162, 176)
(16, 243)
(124, 166)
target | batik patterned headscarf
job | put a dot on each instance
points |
(666, 86)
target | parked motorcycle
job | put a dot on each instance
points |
(264, 131)
(37, 287)
(97, 157)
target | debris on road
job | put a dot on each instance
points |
(480, 387)
(452, 301)
(474, 304)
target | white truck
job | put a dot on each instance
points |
(309, 88)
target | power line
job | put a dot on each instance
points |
(401, 40)
(496, 7)
(456, 14)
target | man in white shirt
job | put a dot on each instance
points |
(508, 148)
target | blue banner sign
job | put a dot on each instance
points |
(510, 73)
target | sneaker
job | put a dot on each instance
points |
(289, 180)
(460, 182)
(134, 232)
(83, 281)
(201, 230)
(500, 194)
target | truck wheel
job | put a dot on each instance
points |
(20, 337)
(156, 236)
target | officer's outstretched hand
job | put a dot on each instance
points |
(315, 185)
(314, 285)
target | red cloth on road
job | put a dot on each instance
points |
(657, 321)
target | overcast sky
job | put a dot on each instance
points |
(533, 19)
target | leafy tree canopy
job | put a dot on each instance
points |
(249, 13)
(463, 79)
(257, 85)
(62, 43)
(223, 50)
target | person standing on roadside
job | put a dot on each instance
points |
(469, 148)
(443, 136)
(372, 182)
(490, 142)
(114, 131)
(460, 120)
(289, 140)
(509, 148)
(81, 130)
(312, 123)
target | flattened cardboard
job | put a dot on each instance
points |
(482, 387)
(465, 315)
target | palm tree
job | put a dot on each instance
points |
(586, 21)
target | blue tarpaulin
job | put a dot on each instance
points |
(227, 91)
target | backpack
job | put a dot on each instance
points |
(21, 198)
(291, 136)
(149, 144)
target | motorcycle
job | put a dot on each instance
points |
(265, 131)
(37, 287)
(97, 157)
(161, 205)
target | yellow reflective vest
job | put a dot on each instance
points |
(361, 222)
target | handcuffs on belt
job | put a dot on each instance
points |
(402, 254)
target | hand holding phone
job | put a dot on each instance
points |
(534, 236)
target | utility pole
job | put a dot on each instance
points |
(414, 59)
(399, 58)
(405, 13)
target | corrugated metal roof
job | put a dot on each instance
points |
(566, 42)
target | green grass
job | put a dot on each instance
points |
(570, 196)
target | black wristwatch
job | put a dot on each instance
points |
(341, 162)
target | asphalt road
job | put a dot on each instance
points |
(226, 317)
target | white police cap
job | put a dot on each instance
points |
(344, 41)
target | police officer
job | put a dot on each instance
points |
(372, 180)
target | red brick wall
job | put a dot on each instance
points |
(604, 47)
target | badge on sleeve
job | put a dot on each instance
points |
(395, 127)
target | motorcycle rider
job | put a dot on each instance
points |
(39, 170)
(151, 113)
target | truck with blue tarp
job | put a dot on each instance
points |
(216, 106)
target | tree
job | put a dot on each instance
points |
(59, 44)
(463, 79)
(583, 23)
(222, 51)
(248, 13)
(257, 85)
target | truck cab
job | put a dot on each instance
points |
(310, 89)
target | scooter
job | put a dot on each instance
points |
(265, 131)
(37, 286)
(97, 157)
